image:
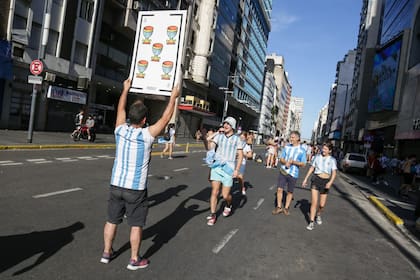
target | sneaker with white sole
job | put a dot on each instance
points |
(318, 220)
(212, 220)
(226, 211)
(107, 257)
(137, 264)
(310, 226)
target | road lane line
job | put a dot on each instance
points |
(70, 160)
(84, 157)
(5, 161)
(181, 169)
(62, 158)
(44, 161)
(56, 193)
(272, 187)
(260, 201)
(36, 159)
(224, 241)
(12, 163)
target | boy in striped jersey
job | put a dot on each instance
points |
(292, 157)
(229, 157)
(128, 192)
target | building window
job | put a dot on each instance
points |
(35, 39)
(52, 42)
(80, 54)
(86, 10)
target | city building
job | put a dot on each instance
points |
(294, 118)
(320, 126)
(267, 119)
(86, 47)
(339, 99)
(282, 100)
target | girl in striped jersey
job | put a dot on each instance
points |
(324, 166)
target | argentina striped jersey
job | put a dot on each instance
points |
(227, 147)
(324, 164)
(295, 153)
(132, 157)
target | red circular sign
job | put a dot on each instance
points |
(36, 67)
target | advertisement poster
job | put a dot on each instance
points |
(385, 74)
(158, 50)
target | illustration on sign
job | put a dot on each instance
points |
(158, 51)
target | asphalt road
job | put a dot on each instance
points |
(53, 205)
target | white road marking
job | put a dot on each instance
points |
(150, 175)
(224, 241)
(84, 158)
(70, 160)
(63, 158)
(36, 159)
(260, 201)
(44, 161)
(56, 193)
(11, 163)
(105, 156)
(181, 169)
(5, 161)
(272, 187)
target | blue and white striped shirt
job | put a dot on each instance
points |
(132, 157)
(324, 164)
(227, 148)
(295, 153)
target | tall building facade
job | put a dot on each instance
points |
(294, 118)
(267, 118)
(88, 51)
(284, 93)
(339, 99)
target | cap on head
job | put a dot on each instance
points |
(231, 121)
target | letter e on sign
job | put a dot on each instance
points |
(36, 67)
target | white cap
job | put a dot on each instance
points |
(231, 121)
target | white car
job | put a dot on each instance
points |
(355, 162)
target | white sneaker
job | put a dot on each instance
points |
(226, 211)
(310, 226)
(318, 220)
(243, 192)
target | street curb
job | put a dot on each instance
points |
(388, 213)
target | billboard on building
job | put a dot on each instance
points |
(384, 78)
(158, 51)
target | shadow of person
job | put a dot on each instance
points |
(304, 207)
(165, 195)
(164, 230)
(17, 248)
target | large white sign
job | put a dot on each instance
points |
(158, 51)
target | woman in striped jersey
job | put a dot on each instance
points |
(324, 166)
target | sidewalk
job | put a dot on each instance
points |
(18, 139)
(399, 210)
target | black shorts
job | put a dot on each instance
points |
(286, 180)
(318, 183)
(132, 203)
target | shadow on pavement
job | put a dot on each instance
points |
(165, 195)
(17, 248)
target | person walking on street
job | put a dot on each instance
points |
(324, 167)
(78, 121)
(228, 160)
(247, 154)
(169, 145)
(292, 158)
(128, 190)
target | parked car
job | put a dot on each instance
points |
(354, 162)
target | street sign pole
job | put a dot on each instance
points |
(36, 66)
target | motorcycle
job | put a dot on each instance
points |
(82, 134)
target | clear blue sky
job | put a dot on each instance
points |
(313, 35)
